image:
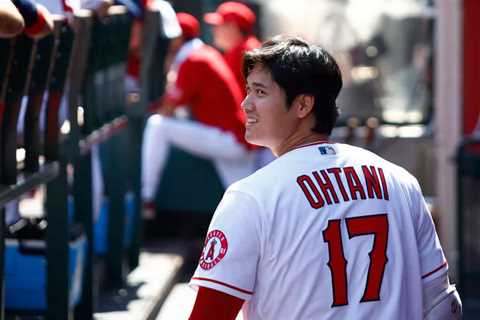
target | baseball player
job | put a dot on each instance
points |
(325, 231)
(205, 84)
(233, 24)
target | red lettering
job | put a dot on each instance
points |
(336, 172)
(326, 186)
(354, 183)
(372, 182)
(337, 263)
(384, 184)
(308, 187)
(378, 226)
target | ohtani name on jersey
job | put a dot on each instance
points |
(327, 186)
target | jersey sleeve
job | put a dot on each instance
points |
(226, 306)
(432, 260)
(229, 259)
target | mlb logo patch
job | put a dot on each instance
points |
(327, 150)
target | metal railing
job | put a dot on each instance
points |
(86, 64)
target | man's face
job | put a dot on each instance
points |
(225, 36)
(269, 123)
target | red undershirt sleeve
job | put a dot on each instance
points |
(213, 304)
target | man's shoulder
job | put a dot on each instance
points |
(262, 180)
(398, 173)
(361, 154)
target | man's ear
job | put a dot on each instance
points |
(304, 105)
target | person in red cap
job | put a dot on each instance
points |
(233, 24)
(201, 80)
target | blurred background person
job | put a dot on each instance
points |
(169, 27)
(201, 80)
(233, 24)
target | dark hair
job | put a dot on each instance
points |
(301, 68)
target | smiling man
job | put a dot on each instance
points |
(325, 231)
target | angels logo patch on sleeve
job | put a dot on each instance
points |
(215, 248)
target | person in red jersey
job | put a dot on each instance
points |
(233, 24)
(201, 80)
(325, 231)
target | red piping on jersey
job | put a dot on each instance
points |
(435, 270)
(312, 144)
(223, 284)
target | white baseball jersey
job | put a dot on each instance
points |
(326, 231)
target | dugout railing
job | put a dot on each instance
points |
(85, 65)
(82, 66)
(28, 68)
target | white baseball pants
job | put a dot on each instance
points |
(232, 160)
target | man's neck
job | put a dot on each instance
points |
(298, 140)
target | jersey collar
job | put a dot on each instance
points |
(311, 144)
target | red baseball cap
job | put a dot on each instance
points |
(189, 24)
(236, 12)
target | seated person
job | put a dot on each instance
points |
(204, 83)
(233, 24)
